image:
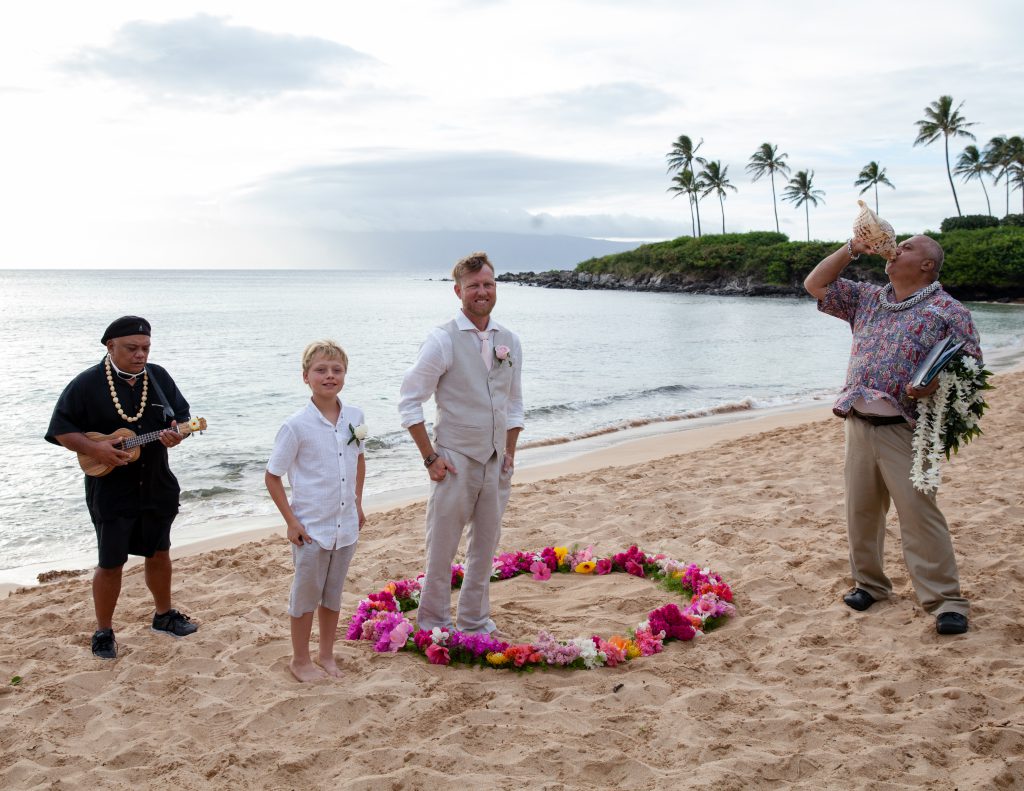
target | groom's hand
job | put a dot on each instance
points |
(440, 468)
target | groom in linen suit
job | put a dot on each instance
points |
(473, 368)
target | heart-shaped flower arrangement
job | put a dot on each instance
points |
(708, 602)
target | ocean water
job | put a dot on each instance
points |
(594, 361)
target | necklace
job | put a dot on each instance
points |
(909, 302)
(117, 402)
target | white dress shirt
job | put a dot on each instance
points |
(320, 462)
(435, 358)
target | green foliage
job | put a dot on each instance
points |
(982, 263)
(969, 222)
(987, 259)
(765, 256)
(15, 680)
(1013, 220)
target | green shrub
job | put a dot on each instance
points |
(1013, 220)
(988, 259)
(985, 262)
(969, 222)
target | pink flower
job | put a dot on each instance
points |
(604, 566)
(613, 654)
(634, 568)
(503, 354)
(438, 655)
(400, 635)
(540, 571)
(670, 620)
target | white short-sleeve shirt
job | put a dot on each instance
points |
(320, 460)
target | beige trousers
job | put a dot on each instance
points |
(878, 461)
(476, 495)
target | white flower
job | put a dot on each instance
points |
(438, 636)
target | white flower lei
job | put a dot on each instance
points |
(956, 404)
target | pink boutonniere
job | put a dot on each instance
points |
(503, 355)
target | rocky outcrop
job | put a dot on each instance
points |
(666, 281)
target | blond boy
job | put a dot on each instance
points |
(320, 448)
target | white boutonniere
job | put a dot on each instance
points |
(358, 434)
(503, 355)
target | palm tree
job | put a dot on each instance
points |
(973, 165)
(767, 160)
(871, 175)
(715, 178)
(801, 192)
(941, 118)
(686, 182)
(995, 158)
(1011, 160)
(681, 158)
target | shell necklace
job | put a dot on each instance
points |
(117, 402)
(909, 302)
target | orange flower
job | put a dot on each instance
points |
(391, 588)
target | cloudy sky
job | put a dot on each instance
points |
(222, 134)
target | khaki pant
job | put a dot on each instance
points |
(878, 461)
(476, 495)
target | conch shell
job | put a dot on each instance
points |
(875, 232)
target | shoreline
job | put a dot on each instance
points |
(633, 445)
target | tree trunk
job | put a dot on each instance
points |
(949, 173)
(775, 205)
(722, 204)
(807, 214)
(876, 197)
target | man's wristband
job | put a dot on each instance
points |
(849, 249)
(430, 459)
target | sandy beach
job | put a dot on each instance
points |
(796, 691)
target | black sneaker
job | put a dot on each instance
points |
(174, 623)
(104, 646)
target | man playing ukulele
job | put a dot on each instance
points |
(132, 507)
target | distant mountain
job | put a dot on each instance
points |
(436, 251)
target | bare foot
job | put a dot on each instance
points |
(330, 666)
(306, 671)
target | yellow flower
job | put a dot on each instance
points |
(497, 658)
(560, 553)
(586, 567)
(678, 574)
(390, 588)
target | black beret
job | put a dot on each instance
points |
(126, 325)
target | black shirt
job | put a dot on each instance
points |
(147, 484)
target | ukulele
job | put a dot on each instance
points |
(132, 442)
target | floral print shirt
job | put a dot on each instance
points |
(889, 345)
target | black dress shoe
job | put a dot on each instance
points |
(951, 623)
(859, 599)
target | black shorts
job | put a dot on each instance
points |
(121, 536)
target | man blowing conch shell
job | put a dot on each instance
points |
(894, 327)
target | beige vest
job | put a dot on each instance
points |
(472, 402)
